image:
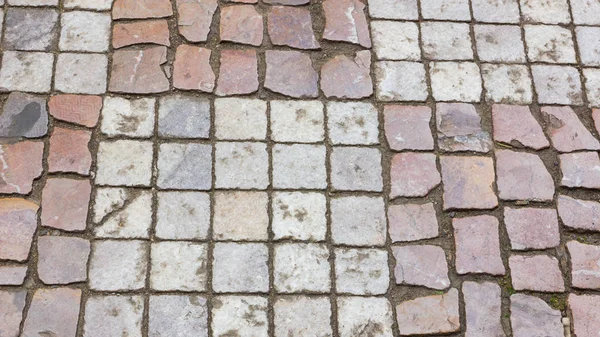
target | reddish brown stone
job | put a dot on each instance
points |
(152, 31)
(289, 26)
(584, 310)
(194, 18)
(483, 309)
(18, 221)
(412, 222)
(566, 131)
(69, 151)
(536, 273)
(53, 312)
(516, 125)
(523, 176)
(596, 117)
(65, 203)
(79, 109)
(238, 73)
(62, 260)
(344, 78)
(11, 312)
(579, 214)
(286, 2)
(413, 174)
(422, 265)
(468, 182)
(291, 73)
(436, 314)
(141, 9)
(585, 265)
(192, 70)
(532, 228)
(477, 243)
(241, 24)
(139, 71)
(580, 169)
(407, 127)
(20, 164)
(459, 128)
(345, 20)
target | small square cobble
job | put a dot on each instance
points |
(588, 41)
(555, 12)
(241, 24)
(584, 12)
(113, 316)
(26, 71)
(459, 128)
(240, 267)
(12, 311)
(496, 11)
(178, 266)
(300, 267)
(483, 307)
(578, 214)
(361, 271)
(499, 43)
(532, 228)
(413, 174)
(65, 204)
(241, 165)
(30, 29)
(584, 266)
(185, 166)
(421, 265)
(183, 116)
(302, 316)
(240, 119)
(243, 316)
(513, 168)
(453, 81)
(396, 40)
(392, 9)
(536, 273)
(289, 26)
(364, 314)
(81, 73)
(584, 308)
(400, 81)
(118, 265)
(592, 86)
(482, 255)
(240, 215)
(358, 221)
(454, 10)
(18, 218)
(407, 127)
(528, 132)
(468, 182)
(352, 123)
(84, 31)
(122, 213)
(131, 118)
(299, 216)
(568, 133)
(178, 315)
(507, 83)
(299, 166)
(557, 84)
(53, 309)
(69, 151)
(580, 170)
(124, 162)
(62, 260)
(183, 215)
(238, 74)
(446, 41)
(532, 315)
(297, 121)
(552, 44)
(412, 222)
(356, 169)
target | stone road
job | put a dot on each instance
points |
(300, 168)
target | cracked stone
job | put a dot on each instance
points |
(412, 222)
(20, 165)
(69, 151)
(523, 176)
(580, 170)
(515, 125)
(579, 214)
(482, 255)
(531, 316)
(421, 265)
(407, 127)
(585, 269)
(342, 77)
(345, 21)
(290, 26)
(413, 174)
(468, 182)
(122, 213)
(437, 314)
(192, 70)
(536, 273)
(532, 228)
(566, 131)
(62, 260)
(238, 74)
(151, 31)
(18, 222)
(65, 203)
(195, 18)
(141, 9)
(459, 128)
(24, 115)
(53, 312)
(241, 24)
(291, 73)
(139, 71)
(79, 109)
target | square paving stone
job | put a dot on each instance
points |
(358, 221)
(53, 311)
(128, 117)
(579, 214)
(124, 162)
(291, 73)
(24, 115)
(364, 314)
(78, 109)
(343, 77)
(468, 182)
(412, 222)
(299, 166)
(18, 222)
(30, 29)
(178, 315)
(481, 255)
(422, 266)
(361, 271)
(507, 83)
(299, 216)
(557, 84)
(483, 308)
(552, 44)
(239, 118)
(185, 166)
(139, 70)
(506, 11)
(459, 128)
(238, 72)
(532, 316)
(407, 127)
(84, 31)
(191, 69)
(446, 41)
(241, 24)
(514, 168)
(183, 116)
(352, 123)
(33, 2)
(453, 81)
(526, 133)
(122, 213)
(290, 26)
(394, 9)
(81, 73)
(22, 164)
(62, 259)
(242, 316)
(113, 316)
(413, 174)
(592, 86)
(585, 271)
(12, 276)
(580, 170)
(241, 165)
(583, 309)
(89, 4)
(556, 11)
(178, 266)
(396, 40)
(26, 71)
(302, 316)
(532, 228)
(69, 151)
(183, 215)
(585, 12)
(240, 215)
(588, 40)
(536, 273)
(297, 121)
(499, 43)
(141, 9)
(454, 10)
(300, 267)
(12, 311)
(240, 267)
(118, 265)
(345, 21)
(65, 203)
(356, 169)
(400, 81)
(435, 314)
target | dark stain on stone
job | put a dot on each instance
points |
(24, 121)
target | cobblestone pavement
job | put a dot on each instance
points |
(298, 168)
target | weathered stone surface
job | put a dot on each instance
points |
(342, 77)
(185, 166)
(290, 26)
(302, 316)
(124, 162)
(118, 265)
(352, 123)
(301, 267)
(241, 24)
(291, 73)
(178, 315)
(394, 9)
(238, 73)
(178, 266)
(580, 169)
(241, 165)
(113, 316)
(81, 73)
(531, 316)
(536, 273)
(282, 2)
(128, 117)
(483, 254)
(421, 265)
(30, 29)
(240, 118)
(507, 83)
(437, 314)
(361, 271)
(356, 169)
(545, 12)
(566, 131)
(459, 128)
(483, 309)
(396, 40)
(592, 86)
(240, 267)
(584, 12)
(299, 216)
(499, 43)
(549, 43)
(588, 41)
(358, 315)
(65, 203)
(401, 81)
(455, 81)
(53, 312)
(446, 41)
(183, 215)
(358, 221)
(583, 309)
(84, 31)
(183, 116)
(454, 10)
(585, 269)
(240, 216)
(413, 174)
(523, 176)
(62, 260)
(18, 222)
(299, 166)
(579, 214)
(506, 11)
(192, 70)
(122, 213)
(532, 228)
(24, 115)
(141, 9)
(32, 2)
(11, 312)
(297, 121)
(30, 72)
(12, 276)
(88, 4)
(345, 21)
(468, 182)
(557, 85)
(243, 316)
(79, 109)
(412, 222)
(20, 164)
(151, 31)
(139, 71)
(515, 125)
(407, 127)
(69, 151)
(194, 18)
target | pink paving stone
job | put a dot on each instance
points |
(531, 316)
(65, 203)
(62, 260)
(290, 26)
(18, 221)
(139, 71)
(412, 222)
(413, 174)
(581, 169)
(468, 182)
(567, 133)
(243, 1)
(342, 77)
(407, 127)
(345, 21)
(20, 164)
(421, 265)
(238, 73)
(459, 128)
(483, 309)
(516, 125)
(437, 314)
(192, 70)
(141, 9)
(53, 312)
(579, 214)
(194, 18)
(532, 228)
(286, 2)
(536, 273)
(523, 176)
(12, 275)
(11, 312)
(477, 243)
(584, 311)
(79, 109)
(151, 31)
(585, 265)
(596, 118)
(69, 151)
(241, 24)
(291, 73)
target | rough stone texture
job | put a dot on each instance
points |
(30, 72)
(396, 40)
(483, 309)
(241, 165)
(192, 70)
(342, 77)
(20, 164)
(303, 316)
(345, 21)
(178, 266)
(455, 81)
(141, 9)
(583, 309)
(436, 314)
(358, 221)
(88, 4)
(592, 86)
(407, 127)
(122, 213)
(12, 276)
(240, 215)
(124, 162)
(584, 12)
(297, 121)
(178, 315)
(421, 265)
(352, 123)
(183, 116)
(62, 260)
(69, 151)
(65, 203)
(356, 168)
(412, 222)
(552, 44)
(53, 312)
(532, 228)
(243, 316)
(361, 271)
(371, 315)
(523, 176)
(579, 214)
(290, 73)
(32, 2)
(459, 128)
(280, 2)
(413, 174)
(79, 109)
(499, 43)
(585, 269)
(545, 11)
(505, 11)
(507, 83)
(238, 73)
(531, 316)
(30, 29)
(18, 222)
(580, 169)
(183, 215)
(84, 31)
(301, 267)
(240, 267)
(400, 81)
(515, 125)
(118, 265)
(194, 18)
(113, 316)
(557, 84)
(299, 216)
(393, 9)
(139, 71)
(11, 312)
(536, 273)
(482, 255)
(299, 166)
(24, 115)
(241, 24)
(566, 131)
(151, 31)
(185, 166)
(290, 26)
(240, 118)
(446, 41)
(468, 182)
(82, 73)
(454, 10)
(588, 41)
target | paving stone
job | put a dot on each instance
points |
(342, 77)
(141, 9)
(290, 73)
(113, 316)
(400, 81)
(194, 18)
(407, 127)
(139, 71)
(412, 222)
(300, 267)
(583, 309)
(185, 166)
(241, 165)
(243, 316)
(148, 31)
(592, 85)
(84, 31)
(30, 29)
(65, 203)
(125, 117)
(446, 41)
(124, 162)
(566, 131)
(413, 174)
(588, 41)
(522, 176)
(596, 118)
(241, 24)
(299, 216)
(483, 309)
(361, 271)
(69, 151)
(240, 267)
(422, 266)
(459, 128)
(580, 170)
(527, 132)
(81, 73)
(499, 43)
(12, 276)
(238, 73)
(532, 228)
(545, 11)
(240, 215)
(178, 315)
(371, 315)
(453, 10)
(183, 215)
(33, 2)
(24, 115)
(393, 9)
(179, 266)
(88, 4)
(18, 222)
(183, 116)
(436, 314)
(584, 12)
(352, 123)
(507, 83)
(579, 214)
(299, 166)
(297, 121)
(79, 109)
(453, 81)
(345, 21)
(536, 273)
(62, 260)
(356, 169)
(531, 316)
(118, 265)
(468, 182)
(279, 2)
(192, 70)
(551, 44)
(27, 71)
(557, 84)
(504, 11)
(585, 270)
(290, 26)
(122, 213)
(302, 316)
(240, 118)
(358, 221)
(482, 255)
(11, 312)
(53, 312)
(396, 40)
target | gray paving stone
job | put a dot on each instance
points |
(81, 73)
(555, 11)
(178, 266)
(400, 81)
(509, 84)
(421, 265)
(84, 31)
(299, 166)
(240, 267)
(26, 71)
(30, 29)
(113, 316)
(241, 165)
(499, 43)
(89, 4)
(33, 2)
(352, 123)
(364, 315)
(483, 309)
(588, 40)
(24, 115)
(53, 311)
(361, 271)
(122, 213)
(358, 221)
(394, 9)
(185, 166)
(238, 118)
(240, 215)
(299, 216)
(396, 40)
(183, 215)
(241, 316)
(454, 10)
(300, 267)
(592, 86)
(504, 11)
(356, 169)
(552, 44)
(11, 312)
(297, 121)
(557, 84)
(118, 265)
(12, 275)
(183, 116)
(62, 259)
(124, 162)
(585, 12)
(177, 315)
(446, 41)
(453, 81)
(128, 117)
(302, 316)
(531, 316)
